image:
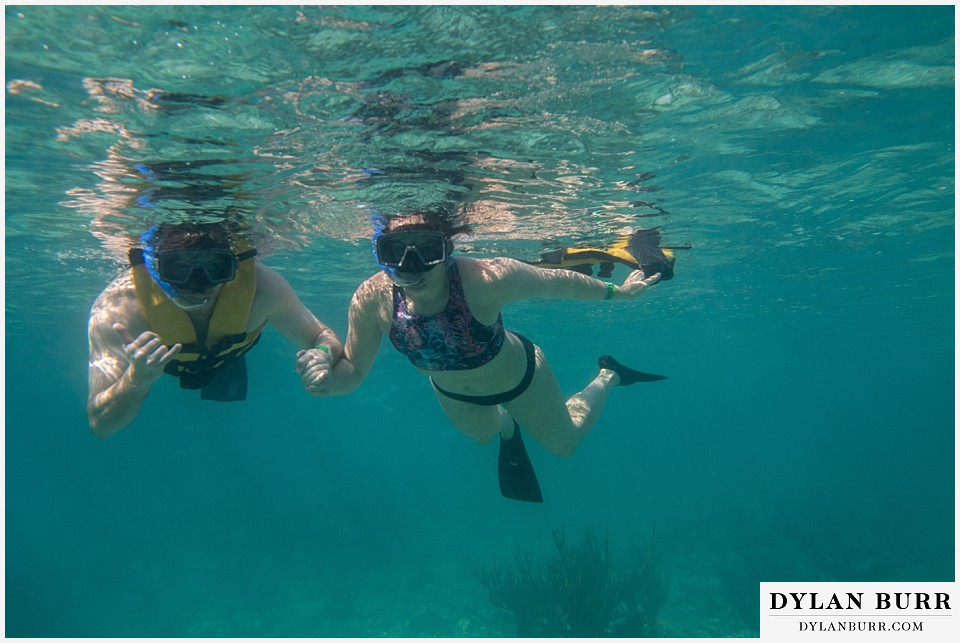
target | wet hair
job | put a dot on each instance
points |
(184, 236)
(446, 221)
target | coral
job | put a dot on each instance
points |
(839, 547)
(579, 593)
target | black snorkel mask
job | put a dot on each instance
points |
(406, 255)
(188, 275)
(198, 269)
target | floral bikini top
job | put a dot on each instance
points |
(451, 340)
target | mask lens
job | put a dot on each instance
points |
(390, 250)
(220, 266)
(177, 266)
(433, 249)
(429, 246)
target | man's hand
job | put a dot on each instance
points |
(147, 354)
(314, 366)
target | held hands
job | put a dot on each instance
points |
(635, 283)
(147, 354)
(314, 367)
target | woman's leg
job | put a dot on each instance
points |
(482, 423)
(560, 425)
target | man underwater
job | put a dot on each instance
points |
(193, 303)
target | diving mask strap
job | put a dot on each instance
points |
(147, 255)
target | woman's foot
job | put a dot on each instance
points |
(508, 426)
(627, 375)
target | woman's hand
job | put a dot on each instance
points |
(314, 367)
(634, 285)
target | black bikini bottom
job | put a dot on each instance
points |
(501, 398)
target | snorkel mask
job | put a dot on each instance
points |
(185, 274)
(407, 255)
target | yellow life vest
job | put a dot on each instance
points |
(227, 339)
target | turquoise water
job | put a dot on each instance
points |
(806, 431)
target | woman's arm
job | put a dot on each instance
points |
(514, 280)
(363, 340)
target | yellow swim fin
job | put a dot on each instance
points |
(640, 250)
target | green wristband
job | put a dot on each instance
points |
(611, 289)
(322, 347)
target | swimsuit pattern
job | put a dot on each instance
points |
(451, 340)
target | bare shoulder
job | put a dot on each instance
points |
(274, 298)
(269, 281)
(374, 291)
(273, 289)
(488, 284)
(489, 271)
(117, 303)
(373, 299)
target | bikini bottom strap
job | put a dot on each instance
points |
(501, 398)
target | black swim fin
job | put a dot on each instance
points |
(644, 246)
(627, 375)
(518, 481)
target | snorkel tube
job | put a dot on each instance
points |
(150, 241)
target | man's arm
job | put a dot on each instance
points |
(122, 367)
(320, 348)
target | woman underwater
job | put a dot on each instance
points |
(443, 313)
